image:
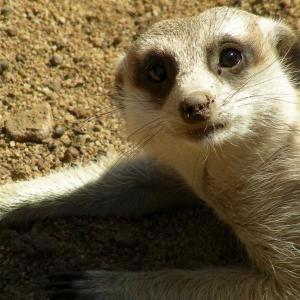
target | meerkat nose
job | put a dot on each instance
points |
(196, 107)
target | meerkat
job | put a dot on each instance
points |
(213, 101)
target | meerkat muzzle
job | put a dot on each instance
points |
(196, 108)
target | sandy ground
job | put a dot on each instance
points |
(63, 52)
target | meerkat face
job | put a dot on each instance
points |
(216, 77)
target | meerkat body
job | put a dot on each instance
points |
(214, 98)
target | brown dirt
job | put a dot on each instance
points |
(63, 52)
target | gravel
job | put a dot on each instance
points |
(62, 54)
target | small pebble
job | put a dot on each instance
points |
(11, 32)
(97, 128)
(116, 41)
(59, 131)
(6, 10)
(70, 118)
(20, 172)
(20, 57)
(51, 146)
(77, 60)
(4, 172)
(4, 65)
(53, 85)
(59, 45)
(66, 140)
(70, 155)
(79, 141)
(55, 60)
(40, 164)
(81, 112)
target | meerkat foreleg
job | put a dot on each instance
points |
(213, 284)
(108, 188)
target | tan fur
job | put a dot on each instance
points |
(252, 181)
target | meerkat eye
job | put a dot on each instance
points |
(157, 73)
(230, 57)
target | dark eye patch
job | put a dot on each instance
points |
(155, 73)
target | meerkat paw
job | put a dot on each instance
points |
(87, 285)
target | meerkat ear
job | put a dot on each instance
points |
(119, 65)
(287, 43)
(119, 81)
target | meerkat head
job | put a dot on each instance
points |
(223, 75)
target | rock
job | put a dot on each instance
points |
(81, 112)
(40, 163)
(55, 60)
(53, 85)
(4, 66)
(70, 155)
(20, 57)
(6, 10)
(4, 173)
(78, 59)
(116, 41)
(79, 141)
(31, 126)
(59, 131)
(66, 140)
(59, 45)
(20, 172)
(11, 32)
(70, 118)
(51, 146)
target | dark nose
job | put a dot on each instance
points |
(196, 107)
